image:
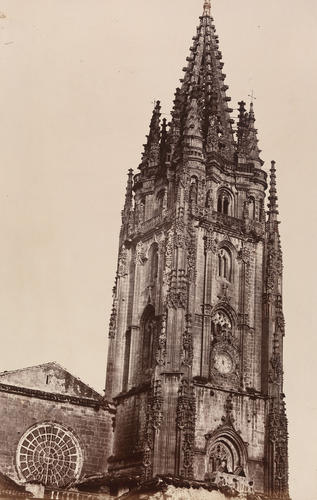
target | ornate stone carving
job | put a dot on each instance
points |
(185, 422)
(169, 250)
(187, 357)
(161, 350)
(213, 134)
(278, 456)
(152, 424)
(274, 265)
(113, 320)
(210, 242)
(179, 233)
(156, 401)
(224, 294)
(228, 418)
(276, 371)
(280, 322)
(123, 262)
(191, 254)
(247, 256)
(141, 256)
(177, 294)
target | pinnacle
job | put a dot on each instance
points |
(272, 206)
(247, 135)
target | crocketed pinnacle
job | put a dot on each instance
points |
(272, 205)
(151, 155)
(129, 191)
(201, 109)
(128, 205)
(247, 146)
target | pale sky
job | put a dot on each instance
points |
(78, 78)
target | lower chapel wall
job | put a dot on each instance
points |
(215, 410)
(91, 427)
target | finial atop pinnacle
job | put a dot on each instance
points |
(207, 8)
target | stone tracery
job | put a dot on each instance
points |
(49, 454)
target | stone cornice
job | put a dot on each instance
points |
(61, 398)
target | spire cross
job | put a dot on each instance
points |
(252, 95)
(207, 7)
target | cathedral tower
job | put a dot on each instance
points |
(195, 362)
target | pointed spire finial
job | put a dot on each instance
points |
(207, 7)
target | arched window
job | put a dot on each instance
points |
(226, 455)
(224, 264)
(153, 263)
(226, 205)
(224, 202)
(160, 202)
(252, 207)
(148, 327)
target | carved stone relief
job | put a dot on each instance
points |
(185, 422)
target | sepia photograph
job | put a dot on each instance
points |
(157, 278)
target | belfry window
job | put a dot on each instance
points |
(224, 203)
(224, 264)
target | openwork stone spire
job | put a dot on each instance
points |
(203, 92)
(151, 155)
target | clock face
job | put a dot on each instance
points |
(223, 363)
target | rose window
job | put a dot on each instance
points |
(49, 454)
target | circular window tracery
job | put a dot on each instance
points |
(49, 454)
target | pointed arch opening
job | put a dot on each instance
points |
(225, 202)
(226, 454)
(225, 264)
(148, 334)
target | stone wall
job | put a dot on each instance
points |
(92, 428)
